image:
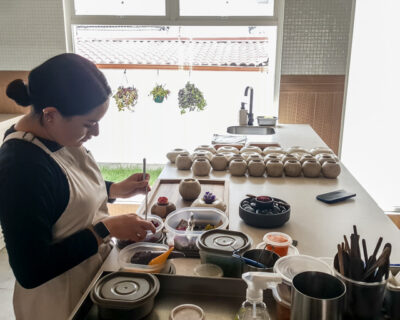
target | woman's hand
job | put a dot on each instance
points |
(130, 186)
(128, 227)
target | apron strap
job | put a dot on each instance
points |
(27, 136)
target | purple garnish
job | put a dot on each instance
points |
(209, 198)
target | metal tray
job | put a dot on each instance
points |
(220, 298)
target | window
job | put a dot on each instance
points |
(172, 42)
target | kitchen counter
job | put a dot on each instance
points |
(318, 227)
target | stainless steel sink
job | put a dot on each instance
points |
(250, 130)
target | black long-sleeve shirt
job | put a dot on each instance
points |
(34, 193)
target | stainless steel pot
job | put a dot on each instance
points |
(317, 295)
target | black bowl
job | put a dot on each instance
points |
(263, 220)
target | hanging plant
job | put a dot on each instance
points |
(190, 98)
(159, 93)
(126, 98)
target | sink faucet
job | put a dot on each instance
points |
(251, 116)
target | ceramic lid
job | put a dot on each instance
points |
(224, 241)
(289, 266)
(124, 290)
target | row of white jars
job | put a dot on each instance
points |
(273, 165)
(210, 151)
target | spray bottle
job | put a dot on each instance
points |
(254, 308)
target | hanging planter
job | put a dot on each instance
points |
(126, 98)
(190, 98)
(159, 93)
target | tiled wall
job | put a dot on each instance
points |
(316, 35)
(30, 32)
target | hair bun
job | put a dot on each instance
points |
(18, 91)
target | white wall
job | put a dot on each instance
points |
(315, 36)
(154, 129)
(371, 133)
(31, 31)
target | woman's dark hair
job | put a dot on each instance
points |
(68, 82)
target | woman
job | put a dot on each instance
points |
(53, 199)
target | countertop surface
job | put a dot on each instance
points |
(318, 227)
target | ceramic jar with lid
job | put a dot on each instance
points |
(206, 147)
(201, 167)
(306, 157)
(274, 168)
(228, 149)
(331, 169)
(318, 150)
(292, 168)
(269, 150)
(289, 157)
(311, 168)
(237, 167)
(273, 156)
(251, 149)
(322, 157)
(219, 162)
(202, 154)
(174, 153)
(189, 189)
(184, 161)
(256, 168)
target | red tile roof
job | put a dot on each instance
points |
(229, 52)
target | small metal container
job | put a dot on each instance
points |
(266, 121)
(124, 295)
(266, 257)
(317, 295)
(217, 246)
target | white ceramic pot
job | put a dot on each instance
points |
(202, 154)
(251, 149)
(269, 150)
(174, 153)
(311, 168)
(219, 162)
(331, 169)
(201, 167)
(274, 168)
(292, 168)
(206, 147)
(189, 189)
(184, 161)
(256, 168)
(238, 167)
(228, 149)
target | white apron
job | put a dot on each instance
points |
(87, 205)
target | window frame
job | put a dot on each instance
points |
(172, 18)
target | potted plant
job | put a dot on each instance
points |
(126, 98)
(190, 98)
(159, 93)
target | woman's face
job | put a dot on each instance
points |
(75, 130)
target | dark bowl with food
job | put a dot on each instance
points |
(264, 216)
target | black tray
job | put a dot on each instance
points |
(220, 298)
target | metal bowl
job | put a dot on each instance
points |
(266, 121)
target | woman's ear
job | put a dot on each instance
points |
(50, 114)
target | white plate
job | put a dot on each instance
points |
(292, 251)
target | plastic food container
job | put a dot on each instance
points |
(155, 237)
(278, 242)
(187, 312)
(217, 246)
(122, 295)
(289, 266)
(185, 240)
(292, 250)
(126, 254)
(208, 270)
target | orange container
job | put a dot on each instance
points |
(278, 242)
